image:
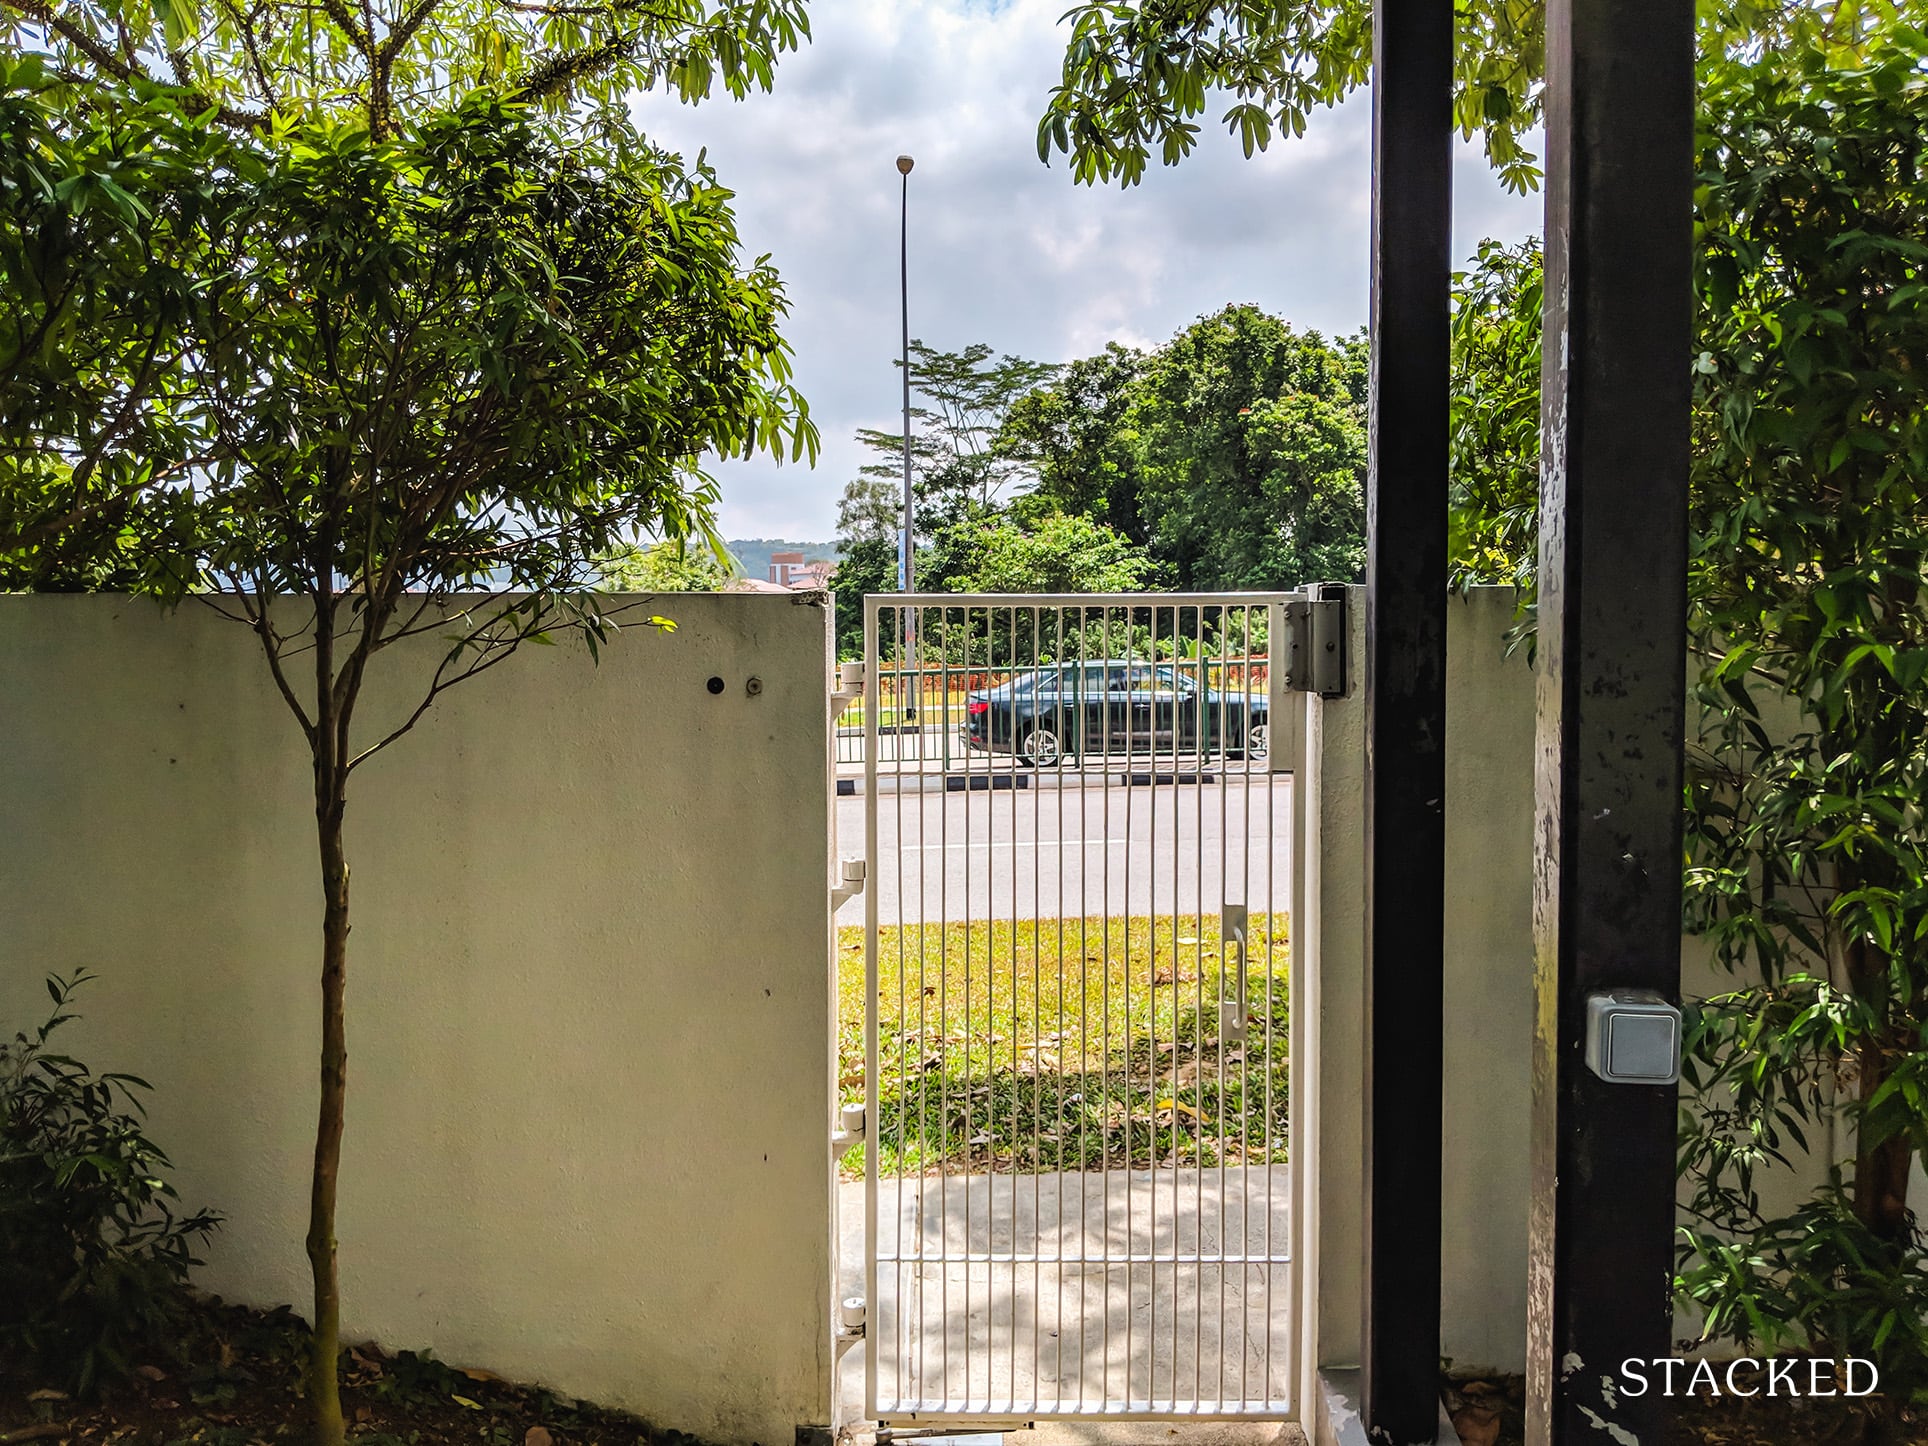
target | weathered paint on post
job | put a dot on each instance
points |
(1611, 695)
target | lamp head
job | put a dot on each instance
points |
(904, 163)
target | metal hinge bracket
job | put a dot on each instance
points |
(1315, 644)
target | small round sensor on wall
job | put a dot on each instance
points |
(715, 685)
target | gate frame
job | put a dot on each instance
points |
(1294, 748)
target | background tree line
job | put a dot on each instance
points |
(1231, 458)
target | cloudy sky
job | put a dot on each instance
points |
(1003, 249)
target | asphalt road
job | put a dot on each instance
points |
(1064, 852)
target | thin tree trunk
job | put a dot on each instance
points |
(1880, 1170)
(323, 1387)
(324, 1391)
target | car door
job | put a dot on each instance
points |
(1055, 705)
(1144, 713)
(1115, 701)
(1177, 707)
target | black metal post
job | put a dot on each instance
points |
(1406, 714)
(1612, 670)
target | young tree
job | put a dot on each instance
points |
(956, 462)
(458, 327)
(475, 356)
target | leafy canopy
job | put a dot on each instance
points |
(108, 212)
(477, 358)
(252, 63)
(1056, 553)
(1138, 75)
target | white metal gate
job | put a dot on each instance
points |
(1076, 1018)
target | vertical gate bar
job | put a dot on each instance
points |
(903, 1017)
(918, 1390)
(1037, 1054)
(1151, 1010)
(872, 1093)
(1615, 428)
(1224, 894)
(1057, 1118)
(1201, 736)
(1084, 995)
(1130, 1091)
(1271, 983)
(944, 1031)
(1405, 716)
(1104, 1055)
(1261, 1284)
(990, 1243)
(972, 924)
(1243, 779)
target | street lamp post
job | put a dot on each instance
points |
(909, 579)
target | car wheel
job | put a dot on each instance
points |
(1041, 748)
(1257, 739)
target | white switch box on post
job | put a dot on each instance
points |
(1633, 1037)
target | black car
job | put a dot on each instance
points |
(1067, 711)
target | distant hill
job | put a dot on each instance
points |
(752, 554)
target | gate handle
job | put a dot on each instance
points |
(1232, 1012)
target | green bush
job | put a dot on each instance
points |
(93, 1260)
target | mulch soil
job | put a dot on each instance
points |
(1491, 1411)
(233, 1378)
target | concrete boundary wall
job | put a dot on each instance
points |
(591, 1039)
(1489, 995)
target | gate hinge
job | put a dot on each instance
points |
(849, 689)
(850, 1132)
(854, 873)
(1315, 644)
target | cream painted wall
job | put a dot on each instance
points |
(590, 1046)
(1489, 996)
(1489, 989)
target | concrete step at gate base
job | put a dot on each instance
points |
(982, 1215)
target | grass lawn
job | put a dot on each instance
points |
(1067, 1044)
(934, 713)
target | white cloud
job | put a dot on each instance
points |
(1002, 249)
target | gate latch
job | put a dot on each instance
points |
(1315, 652)
(1232, 1012)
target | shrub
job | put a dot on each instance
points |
(93, 1259)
